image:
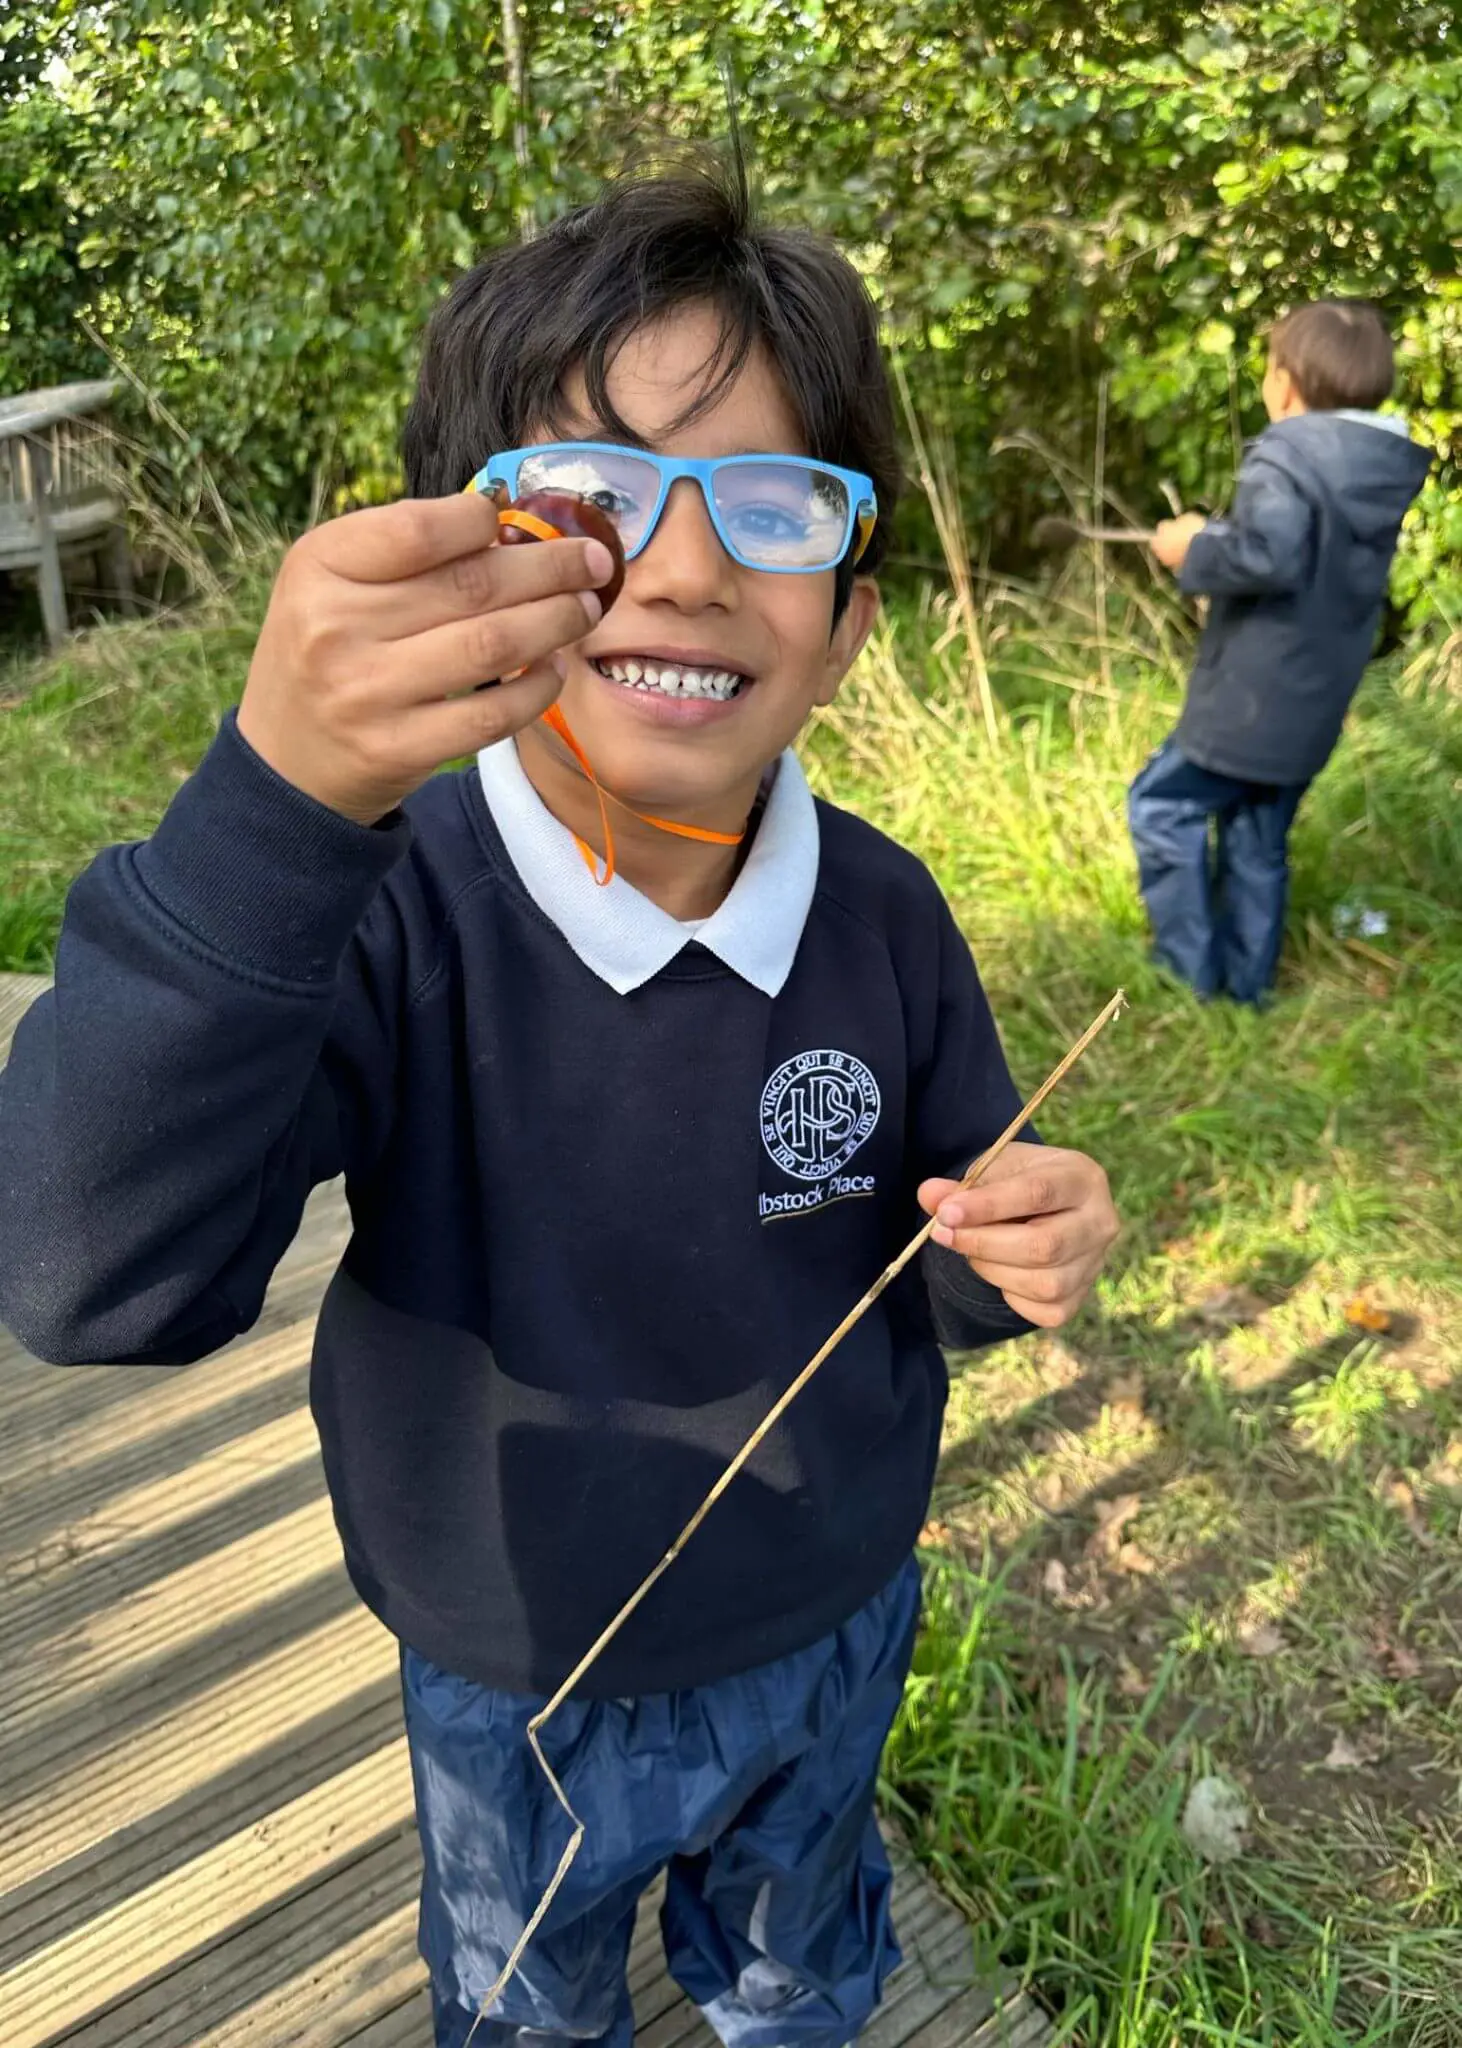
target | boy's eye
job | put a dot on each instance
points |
(616, 503)
(768, 522)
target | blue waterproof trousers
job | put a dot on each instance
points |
(754, 1795)
(1214, 871)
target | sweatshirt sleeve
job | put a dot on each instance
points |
(1260, 548)
(963, 1098)
(219, 1038)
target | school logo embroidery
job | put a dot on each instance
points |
(816, 1110)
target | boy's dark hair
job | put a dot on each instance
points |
(501, 345)
(1338, 353)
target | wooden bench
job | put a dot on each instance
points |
(60, 492)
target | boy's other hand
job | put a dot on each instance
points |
(1038, 1227)
(1172, 537)
(380, 629)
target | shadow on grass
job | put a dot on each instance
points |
(1296, 1616)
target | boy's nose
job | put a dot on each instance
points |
(684, 563)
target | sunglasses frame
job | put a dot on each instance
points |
(500, 473)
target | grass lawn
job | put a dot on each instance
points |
(1213, 1527)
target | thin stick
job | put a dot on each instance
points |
(1057, 532)
(975, 1173)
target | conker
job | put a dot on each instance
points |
(572, 517)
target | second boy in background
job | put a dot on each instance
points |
(1296, 576)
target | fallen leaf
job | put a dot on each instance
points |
(1054, 1581)
(1112, 1517)
(1347, 1753)
(1231, 1306)
(1363, 1314)
(1215, 1820)
(1131, 1683)
(1302, 1202)
(934, 1535)
(1125, 1399)
(1131, 1557)
(1397, 1660)
(1263, 1640)
(1403, 1499)
(1049, 1491)
(1433, 1369)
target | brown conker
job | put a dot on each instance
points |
(572, 518)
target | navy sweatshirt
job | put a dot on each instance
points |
(594, 1235)
(1297, 574)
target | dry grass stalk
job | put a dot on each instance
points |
(1099, 561)
(779, 1408)
(937, 485)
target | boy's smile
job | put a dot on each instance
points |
(704, 671)
(688, 684)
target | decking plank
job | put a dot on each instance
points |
(17, 993)
(238, 1578)
(154, 1930)
(116, 1781)
(367, 1906)
(246, 1792)
(34, 1743)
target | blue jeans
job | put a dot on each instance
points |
(1213, 864)
(754, 1795)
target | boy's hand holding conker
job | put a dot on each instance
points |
(383, 625)
(570, 517)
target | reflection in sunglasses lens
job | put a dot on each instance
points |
(783, 515)
(621, 484)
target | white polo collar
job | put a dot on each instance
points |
(622, 936)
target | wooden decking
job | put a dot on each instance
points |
(206, 1835)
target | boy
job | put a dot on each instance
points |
(1296, 577)
(618, 1154)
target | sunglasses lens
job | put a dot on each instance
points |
(619, 483)
(783, 514)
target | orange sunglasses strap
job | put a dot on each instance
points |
(554, 719)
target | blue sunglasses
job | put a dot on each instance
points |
(782, 513)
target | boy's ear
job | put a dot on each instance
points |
(848, 636)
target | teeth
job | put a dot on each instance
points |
(669, 679)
